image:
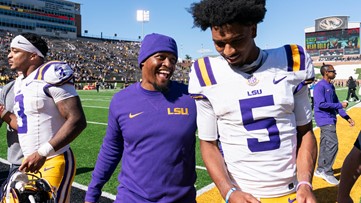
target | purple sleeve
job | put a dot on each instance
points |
(320, 100)
(341, 111)
(343, 114)
(109, 156)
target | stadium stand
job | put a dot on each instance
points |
(93, 59)
(112, 61)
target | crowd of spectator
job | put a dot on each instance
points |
(340, 58)
(101, 60)
(93, 60)
(343, 83)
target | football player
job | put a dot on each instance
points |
(48, 113)
(256, 103)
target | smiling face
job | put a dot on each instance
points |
(157, 71)
(235, 42)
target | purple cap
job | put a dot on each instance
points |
(154, 43)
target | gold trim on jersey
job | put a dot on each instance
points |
(40, 75)
(203, 70)
(295, 57)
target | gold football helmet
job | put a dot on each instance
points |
(27, 188)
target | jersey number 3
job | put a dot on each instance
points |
(24, 127)
(267, 123)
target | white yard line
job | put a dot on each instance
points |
(201, 167)
(4, 161)
(97, 107)
(205, 189)
(97, 123)
(102, 100)
(85, 188)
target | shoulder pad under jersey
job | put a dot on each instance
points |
(55, 72)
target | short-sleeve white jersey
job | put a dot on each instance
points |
(254, 116)
(38, 117)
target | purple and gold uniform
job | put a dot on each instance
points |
(39, 119)
(255, 116)
(153, 133)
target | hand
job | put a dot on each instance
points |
(305, 195)
(242, 197)
(33, 163)
(2, 108)
(344, 104)
(352, 122)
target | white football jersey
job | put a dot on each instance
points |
(38, 117)
(255, 116)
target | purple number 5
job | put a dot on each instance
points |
(24, 127)
(266, 123)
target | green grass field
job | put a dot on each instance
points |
(87, 145)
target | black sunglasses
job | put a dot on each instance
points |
(332, 71)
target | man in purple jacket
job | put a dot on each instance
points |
(151, 128)
(327, 106)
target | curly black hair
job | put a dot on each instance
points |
(208, 13)
(37, 41)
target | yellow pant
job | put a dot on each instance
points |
(291, 198)
(59, 171)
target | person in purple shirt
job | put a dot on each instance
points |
(327, 106)
(151, 128)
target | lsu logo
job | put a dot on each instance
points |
(254, 92)
(178, 111)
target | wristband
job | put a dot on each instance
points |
(45, 149)
(3, 113)
(304, 183)
(229, 193)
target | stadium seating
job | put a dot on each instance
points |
(111, 61)
(92, 59)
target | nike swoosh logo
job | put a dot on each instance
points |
(19, 42)
(26, 84)
(277, 81)
(134, 115)
(291, 200)
(46, 169)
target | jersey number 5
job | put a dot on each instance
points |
(266, 123)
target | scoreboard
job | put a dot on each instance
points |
(333, 42)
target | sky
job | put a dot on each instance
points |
(284, 23)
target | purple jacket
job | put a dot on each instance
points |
(327, 105)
